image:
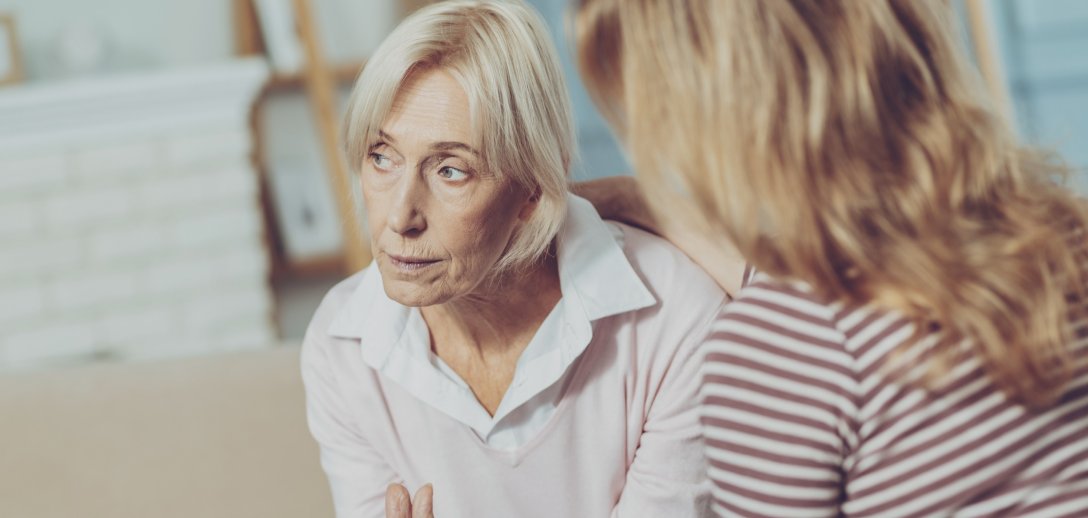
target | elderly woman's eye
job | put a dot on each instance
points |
(452, 173)
(381, 161)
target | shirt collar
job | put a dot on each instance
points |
(592, 265)
(596, 281)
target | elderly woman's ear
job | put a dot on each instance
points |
(530, 206)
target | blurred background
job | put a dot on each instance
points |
(170, 217)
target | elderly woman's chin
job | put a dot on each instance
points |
(414, 292)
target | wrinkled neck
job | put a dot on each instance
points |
(503, 313)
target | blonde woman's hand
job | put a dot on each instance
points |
(620, 198)
(398, 503)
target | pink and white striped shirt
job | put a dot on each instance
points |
(801, 418)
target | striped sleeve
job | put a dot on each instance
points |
(778, 406)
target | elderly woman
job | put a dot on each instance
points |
(507, 347)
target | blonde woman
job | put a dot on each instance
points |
(913, 340)
(508, 353)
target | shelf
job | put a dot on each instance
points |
(345, 73)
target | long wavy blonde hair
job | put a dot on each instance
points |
(849, 144)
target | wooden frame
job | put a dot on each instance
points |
(9, 51)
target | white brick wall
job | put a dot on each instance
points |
(126, 243)
(20, 302)
(54, 343)
(96, 163)
(205, 184)
(32, 174)
(18, 219)
(212, 147)
(36, 256)
(130, 224)
(78, 209)
(137, 244)
(215, 227)
(90, 289)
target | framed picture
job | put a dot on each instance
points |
(11, 67)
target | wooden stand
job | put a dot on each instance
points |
(320, 80)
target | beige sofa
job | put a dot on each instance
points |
(220, 436)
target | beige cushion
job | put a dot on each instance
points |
(218, 436)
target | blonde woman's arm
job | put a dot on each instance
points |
(619, 198)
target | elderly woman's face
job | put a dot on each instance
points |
(439, 221)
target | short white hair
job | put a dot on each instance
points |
(501, 53)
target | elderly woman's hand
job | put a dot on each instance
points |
(398, 503)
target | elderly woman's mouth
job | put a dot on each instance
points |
(410, 264)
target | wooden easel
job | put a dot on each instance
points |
(320, 87)
(319, 79)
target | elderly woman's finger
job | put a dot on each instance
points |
(397, 502)
(423, 503)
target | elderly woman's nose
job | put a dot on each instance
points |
(405, 214)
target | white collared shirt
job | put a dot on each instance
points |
(600, 420)
(596, 281)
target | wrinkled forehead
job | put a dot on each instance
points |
(430, 103)
(436, 103)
